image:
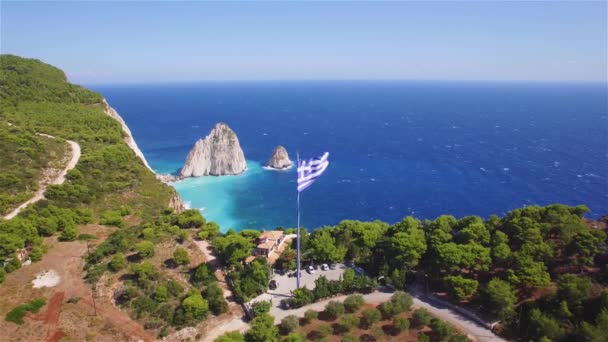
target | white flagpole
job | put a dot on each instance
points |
(298, 232)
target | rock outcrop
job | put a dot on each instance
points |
(176, 204)
(279, 159)
(218, 154)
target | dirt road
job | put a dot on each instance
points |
(57, 180)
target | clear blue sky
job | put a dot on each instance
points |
(113, 42)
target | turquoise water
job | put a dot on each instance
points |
(397, 148)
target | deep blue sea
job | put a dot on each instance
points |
(396, 148)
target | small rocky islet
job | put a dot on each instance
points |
(220, 154)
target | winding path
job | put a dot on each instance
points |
(57, 180)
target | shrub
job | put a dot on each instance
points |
(289, 324)
(295, 337)
(301, 297)
(370, 317)
(402, 301)
(401, 324)
(422, 337)
(232, 336)
(325, 330)
(353, 303)
(348, 322)
(377, 332)
(161, 294)
(69, 233)
(180, 256)
(334, 309)
(118, 262)
(310, 315)
(111, 218)
(259, 308)
(16, 315)
(349, 338)
(421, 317)
(145, 249)
(441, 328)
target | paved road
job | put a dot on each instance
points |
(58, 180)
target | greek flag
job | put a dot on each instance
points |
(310, 170)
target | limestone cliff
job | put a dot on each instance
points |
(279, 159)
(128, 136)
(218, 154)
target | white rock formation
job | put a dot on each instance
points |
(218, 154)
(279, 159)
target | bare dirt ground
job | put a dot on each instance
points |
(89, 319)
(52, 177)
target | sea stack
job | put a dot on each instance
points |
(218, 154)
(279, 159)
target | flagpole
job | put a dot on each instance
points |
(298, 232)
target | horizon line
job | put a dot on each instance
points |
(270, 80)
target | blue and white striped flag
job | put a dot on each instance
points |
(310, 170)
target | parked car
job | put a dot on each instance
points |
(358, 270)
(332, 266)
(273, 285)
(349, 263)
(324, 267)
(310, 269)
(294, 274)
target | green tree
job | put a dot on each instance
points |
(233, 249)
(195, 306)
(118, 262)
(69, 233)
(500, 299)
(574, 290)
(209, 231)
(180, 256)
(597, 332)
(145, 249)
(542, 324)
(215, 297)
(301, 297)
(407, 247)
(203, 274)
(459, 287)
(262, 329)
(585, 245)
(323, 247)
(530, 272)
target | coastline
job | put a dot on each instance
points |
(129, 136)
(176, 202)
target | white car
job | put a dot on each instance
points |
(324, 267)
(310, 269)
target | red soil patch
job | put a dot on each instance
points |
(53, 310)
(56, 337)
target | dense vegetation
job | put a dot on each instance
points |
(165, 296)
(23, 157)
(36, 97)
(539, 270)
(16, 315)
(352, 321)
